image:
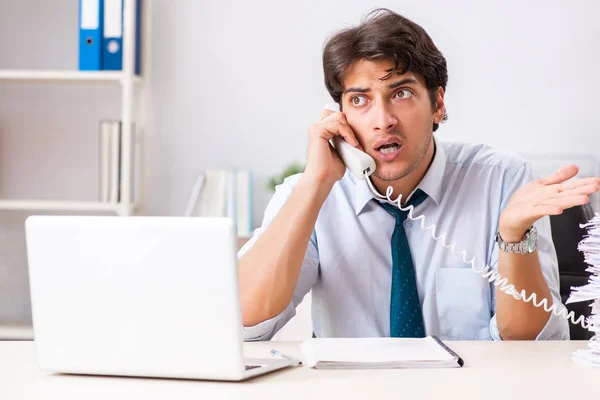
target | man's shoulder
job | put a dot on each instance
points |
(344, 190)
(466, 155)
(291, 180)
(347, 182)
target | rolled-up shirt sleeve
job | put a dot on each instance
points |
(556, 328)
(308, 273)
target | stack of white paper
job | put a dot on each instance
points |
(590, 246)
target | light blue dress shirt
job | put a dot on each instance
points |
(348, 263)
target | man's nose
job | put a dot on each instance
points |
(384, 119)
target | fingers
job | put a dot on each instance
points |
(547, 209)
(326, 113)
(568, 202)
(563, 174)
(581, 190)
(551, 196)
(334, 153)
(556, 206)
(342, 129)
(336, 124)
(579, 182)
(552, 202)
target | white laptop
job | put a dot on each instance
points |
(138, 296)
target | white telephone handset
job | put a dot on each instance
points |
(358, 162)
(362, 165)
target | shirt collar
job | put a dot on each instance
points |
(430, 184)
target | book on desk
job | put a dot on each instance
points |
(373, 353)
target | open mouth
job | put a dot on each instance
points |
(388, 151)
(388, 148)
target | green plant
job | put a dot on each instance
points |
(290, 169)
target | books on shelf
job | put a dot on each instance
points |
(590, 246)
(243, 201)
(111, 166)
(223, 193)
(105, 140)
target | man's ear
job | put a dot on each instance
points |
(440, 106)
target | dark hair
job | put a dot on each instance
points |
(384, 34)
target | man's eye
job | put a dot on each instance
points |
(403, 94)
(358, 101)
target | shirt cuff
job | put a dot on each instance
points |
(268, 328)
(494, 332)
(556, 328)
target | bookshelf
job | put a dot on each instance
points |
(132, 90)
(58, 76)
(57, 205)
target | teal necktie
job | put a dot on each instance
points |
(406, 319)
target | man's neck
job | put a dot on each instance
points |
(406, 185)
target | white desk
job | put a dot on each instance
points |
(521, 370)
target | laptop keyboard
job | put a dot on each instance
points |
(249, 367)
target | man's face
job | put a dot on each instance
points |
(392, 118)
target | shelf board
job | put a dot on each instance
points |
(49, 205)
(16, 332)
(56, 76)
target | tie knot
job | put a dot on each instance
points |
(418, 197)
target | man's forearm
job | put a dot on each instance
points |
(518, 320)
(538, 199)
(269, 271)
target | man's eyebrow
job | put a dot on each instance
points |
(357, 90)
(390, 86)
(402, 82)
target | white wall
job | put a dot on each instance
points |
(236, 83)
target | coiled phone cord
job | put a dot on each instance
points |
(486, 271)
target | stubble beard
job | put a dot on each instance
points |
(396, 175)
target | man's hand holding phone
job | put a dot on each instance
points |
(323, 164)
(269, 271)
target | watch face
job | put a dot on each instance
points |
(532, 241)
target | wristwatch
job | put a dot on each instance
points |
(527, 245)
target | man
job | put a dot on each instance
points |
(373, 272)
